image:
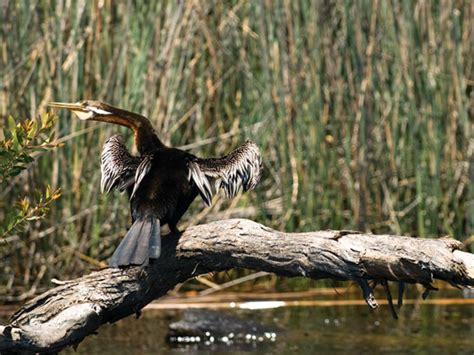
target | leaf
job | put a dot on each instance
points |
(47, 192)
(24, 204)
(16, 143)
(47, 120)
(16, 170)
(7, 143)
(32, 128)
(25, 158)
(57, 194)
(5, 154)
(11, 123)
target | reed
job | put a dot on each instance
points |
(361, 109)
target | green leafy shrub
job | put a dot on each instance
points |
(19, 143)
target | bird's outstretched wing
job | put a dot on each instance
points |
(241, 168)
(118, 166)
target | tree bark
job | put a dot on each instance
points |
(66, 314)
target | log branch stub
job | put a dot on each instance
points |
(66, 314)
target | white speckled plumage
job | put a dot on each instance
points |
(118, 166)
(239, 169)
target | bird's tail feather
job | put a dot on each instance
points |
(141, 243)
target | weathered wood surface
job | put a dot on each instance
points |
(69, 312)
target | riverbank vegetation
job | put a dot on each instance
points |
(361, 110)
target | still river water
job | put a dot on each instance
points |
(423, 328)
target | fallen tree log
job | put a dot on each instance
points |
(66, 314)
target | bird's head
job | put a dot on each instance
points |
(91, 110)
(86, 109)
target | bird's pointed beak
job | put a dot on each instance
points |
(83, 112)
(68, 106)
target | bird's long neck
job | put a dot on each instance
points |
(146, 139)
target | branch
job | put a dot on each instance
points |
(66, 314)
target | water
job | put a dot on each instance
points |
(421, 329)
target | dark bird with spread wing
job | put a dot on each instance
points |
(161, 181)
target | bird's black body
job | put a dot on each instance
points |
(165, 191)
(161, 182)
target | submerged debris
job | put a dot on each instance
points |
(200, 326)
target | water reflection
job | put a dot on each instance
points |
(422, 328)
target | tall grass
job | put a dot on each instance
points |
(361, 109)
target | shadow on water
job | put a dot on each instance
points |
(421, 329)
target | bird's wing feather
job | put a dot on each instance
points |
(118, 166)
(142, 169)
(202, 183)
(242, 168)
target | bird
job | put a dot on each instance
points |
(161, 181)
